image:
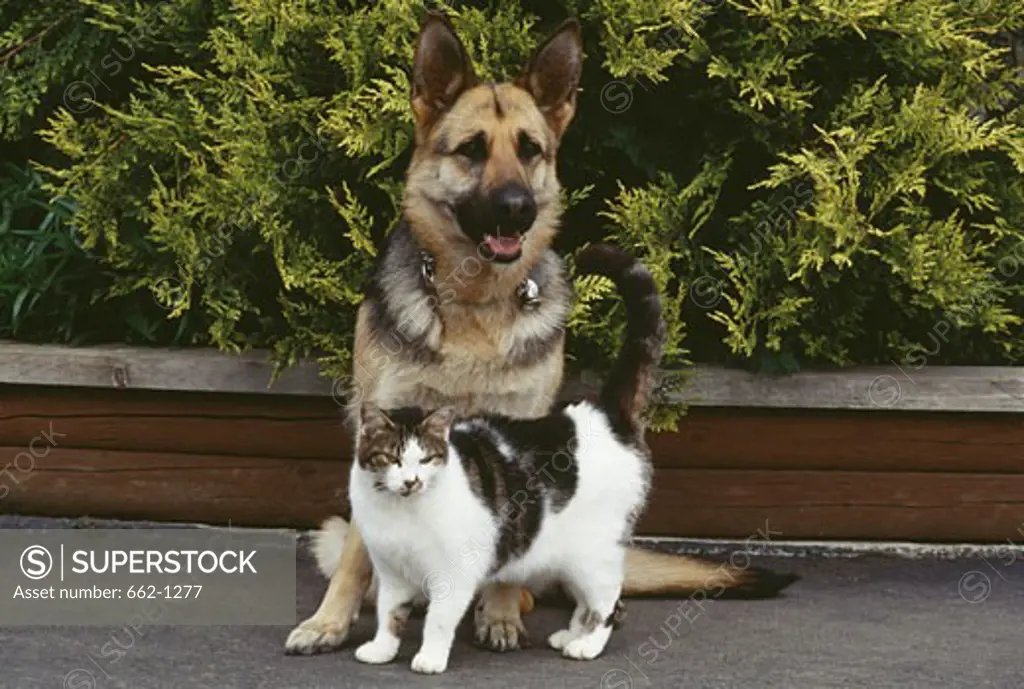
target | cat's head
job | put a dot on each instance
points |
(404, 449)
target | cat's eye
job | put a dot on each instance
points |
(430, 459)
(474, 150)
(381, 459)
(528, 148)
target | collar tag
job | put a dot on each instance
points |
(427, 267)
(528, 292)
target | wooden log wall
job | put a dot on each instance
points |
(282, 460)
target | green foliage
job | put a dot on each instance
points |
(853, 177)
(52, 290)
(37, 253)
(811, 182)
(41, 44)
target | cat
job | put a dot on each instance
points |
(446, 505)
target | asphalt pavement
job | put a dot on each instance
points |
(866, 621)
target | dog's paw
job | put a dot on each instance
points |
(316, 636)
(584, 648)
(561, 639)
(429, 663)
(501, 635)
(498, 626)
(377, 652)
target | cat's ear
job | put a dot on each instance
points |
(372, 419)
(439, 421)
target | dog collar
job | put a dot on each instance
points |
(528, 292)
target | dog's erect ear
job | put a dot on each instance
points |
(438, 422)
(441, 70)
(373, 420)
(553, 74)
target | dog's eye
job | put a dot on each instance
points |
(474, 150)
(528, 148)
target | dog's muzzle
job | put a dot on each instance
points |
(499, 220)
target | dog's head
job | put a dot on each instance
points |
(483, 172)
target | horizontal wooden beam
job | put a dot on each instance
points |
(706, 438)
(286, 492)
(141, 368)
(266, 460)
(893, 387)
(847, 505)
(173, 487)
(931, 388)
(175, 422)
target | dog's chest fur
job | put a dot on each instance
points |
(471, 333)
(417, 344)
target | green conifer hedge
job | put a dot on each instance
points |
(812, 181)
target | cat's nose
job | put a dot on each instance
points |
(411, 482)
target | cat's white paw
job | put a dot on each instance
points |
(429, 664)
(377, 652)
(584, 648)
(561, 639)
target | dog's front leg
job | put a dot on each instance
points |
(499, 626)
(327, 629)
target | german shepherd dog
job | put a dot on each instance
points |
(468, 303)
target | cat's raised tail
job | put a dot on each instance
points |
(629, 383)
(624, 396)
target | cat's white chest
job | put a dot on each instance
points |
(443, 535)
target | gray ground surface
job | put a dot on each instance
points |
(869, 621)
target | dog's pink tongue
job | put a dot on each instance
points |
(504, 246)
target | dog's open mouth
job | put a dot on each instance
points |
(502, 249)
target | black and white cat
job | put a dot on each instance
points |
(445, 505)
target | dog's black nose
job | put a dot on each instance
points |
(514, 207)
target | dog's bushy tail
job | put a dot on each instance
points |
(625, 392)
(655, 573)
(328, 543)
